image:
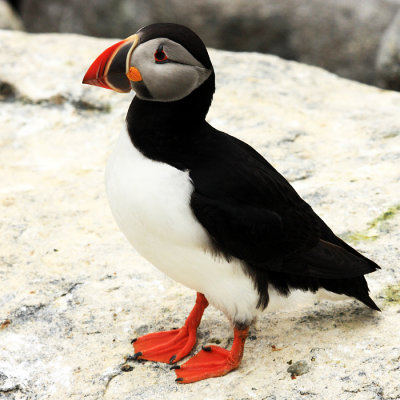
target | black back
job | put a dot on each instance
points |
(249, 210)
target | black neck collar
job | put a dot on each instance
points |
(167, 131)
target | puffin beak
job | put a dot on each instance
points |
(111, 69)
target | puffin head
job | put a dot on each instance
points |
(161, 62)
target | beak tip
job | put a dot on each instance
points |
(88, 81)
(89, 78)
(106, 71)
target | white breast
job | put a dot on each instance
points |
(150, 202)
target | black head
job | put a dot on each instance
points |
(162, 62)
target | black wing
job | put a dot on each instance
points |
(268, 240)
(251, 212)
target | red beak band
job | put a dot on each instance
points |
(111, 66)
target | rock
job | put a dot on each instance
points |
(9, 18)
(76, 293)
(299, 368)
(127, 368)
(341, 36)
(388, 59)
(106, 18)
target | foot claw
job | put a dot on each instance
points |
(171, 346)
(137, 355)
(172, 359)
(178, 379)
(175, 367)
(206, 348)
(133, 340)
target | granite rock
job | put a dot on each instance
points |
(341, 36)
(299, 368)
(9, 19)
(74, 293)
(388, 58)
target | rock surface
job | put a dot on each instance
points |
(341, 36)
(388, 58)
(298, 368)
(9, 18)
(73, 292)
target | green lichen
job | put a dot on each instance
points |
(388, 214)
(392, 135)
(392, 294)
(358, 237)
(376, 224)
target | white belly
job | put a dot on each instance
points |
(150, 202)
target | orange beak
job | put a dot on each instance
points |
(111, 69)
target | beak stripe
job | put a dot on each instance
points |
(115, 72)
(109, 68)
(135, 39)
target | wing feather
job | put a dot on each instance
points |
(252, 213)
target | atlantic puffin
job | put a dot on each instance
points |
(206, 208)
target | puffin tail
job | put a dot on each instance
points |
(364, 297)
(341, 271)
(370, 303)
(354, 287)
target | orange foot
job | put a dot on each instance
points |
(171, 346)
(213, 361)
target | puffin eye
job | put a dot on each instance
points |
(159, 56)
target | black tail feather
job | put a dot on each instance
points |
(355, 287)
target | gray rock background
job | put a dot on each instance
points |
(388, 58)
(73, 292)
(342, 36)
(9, 19)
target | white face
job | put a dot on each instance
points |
(168, 70)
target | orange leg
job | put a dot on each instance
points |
(213, 361)
(171, 346)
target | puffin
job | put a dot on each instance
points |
(206, 208)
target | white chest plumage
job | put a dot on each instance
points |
(150, 202)
(150, 199)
